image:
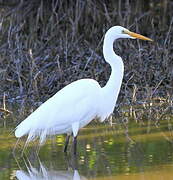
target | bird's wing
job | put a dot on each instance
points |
(73, 103)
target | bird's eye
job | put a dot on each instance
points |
(123, 31)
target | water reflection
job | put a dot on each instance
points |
(45, 174)
(42, 172)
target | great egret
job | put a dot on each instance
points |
(74, 106)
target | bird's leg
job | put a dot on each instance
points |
(75, 145)
(66, 142)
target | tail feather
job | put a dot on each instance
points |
(31, 136)
(23, 128)
(20, 131)
(43, 136)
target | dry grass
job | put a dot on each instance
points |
(45, 45)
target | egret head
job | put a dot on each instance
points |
(116, 32)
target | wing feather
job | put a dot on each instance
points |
(75, 102)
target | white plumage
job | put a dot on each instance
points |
(56, 115)
(80, 102)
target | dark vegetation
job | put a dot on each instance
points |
(45, 45)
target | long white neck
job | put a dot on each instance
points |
(117, 68)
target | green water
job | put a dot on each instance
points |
(132, 151)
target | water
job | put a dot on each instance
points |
(123, 151)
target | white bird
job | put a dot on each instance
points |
(77, 104)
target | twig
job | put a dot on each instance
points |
(3, 109)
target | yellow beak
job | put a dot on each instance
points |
(138, 36)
